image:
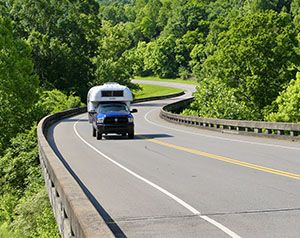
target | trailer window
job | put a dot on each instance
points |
(112, 93)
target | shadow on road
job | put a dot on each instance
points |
(137, 137)
(113, 226)
(74, 120)
(151, 136)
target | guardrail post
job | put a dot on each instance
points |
(294, 133)
(257, 130)
(280, 132)
(268, 131)
(67, 230)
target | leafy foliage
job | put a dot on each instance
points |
(25, 206)
(254, 54)
(287, 104)
(244, 54)
(214, 99)
(160, 57)
(111, 63)
(62, 36)
(24, 210)
(54, 101)
(18, 84)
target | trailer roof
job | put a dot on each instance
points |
(96, 94)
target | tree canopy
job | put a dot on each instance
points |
(244, 55)
(18, 83)
(247, 46)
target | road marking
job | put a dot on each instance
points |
(162, 190)
(227, 160)
(216, 137)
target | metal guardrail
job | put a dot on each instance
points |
(74, 213)
(256, 128)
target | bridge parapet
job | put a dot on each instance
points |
(281, 130)
(74, 213)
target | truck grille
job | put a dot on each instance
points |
(116, 120)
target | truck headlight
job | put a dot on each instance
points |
(100, 120)
(130, 119)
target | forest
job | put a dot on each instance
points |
(243, 54)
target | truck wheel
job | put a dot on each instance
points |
(131, 134)
(94, 132)
(99, 135)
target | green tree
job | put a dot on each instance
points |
(147, 19)
(111, 63)
(160, 57)
(287, 105)
(187, 16)
(24, 206)
(255, 56)
(214, 99)
(264, 5)
(62, 35)
(114, 12)
(295, 10)
(185, 53)
(137, 57)
(18, 83)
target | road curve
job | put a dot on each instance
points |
(177, 181)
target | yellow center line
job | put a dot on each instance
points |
(226, 159)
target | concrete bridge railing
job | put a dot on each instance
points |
(256, 128)
(73, 211)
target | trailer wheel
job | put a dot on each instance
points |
(94, 132)
(99, 135)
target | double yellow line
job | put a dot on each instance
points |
(227, 160)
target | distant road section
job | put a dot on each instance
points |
(176, 181)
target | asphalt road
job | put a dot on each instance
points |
(177, 181)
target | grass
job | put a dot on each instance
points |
(155, 90)
(5, 233)
(177, 80)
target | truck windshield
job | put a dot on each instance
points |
(103, 108)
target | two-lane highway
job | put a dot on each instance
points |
(176, 181)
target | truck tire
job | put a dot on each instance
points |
(99, 135)
(94, 132)
(131, 135)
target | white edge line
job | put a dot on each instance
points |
(216, 137)
(170, 195)
(220, 226)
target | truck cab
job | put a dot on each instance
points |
(109, 110)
